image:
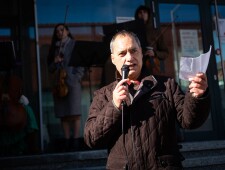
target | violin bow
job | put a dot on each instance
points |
(60, 46)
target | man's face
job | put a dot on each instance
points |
(127, 51)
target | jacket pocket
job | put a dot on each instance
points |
(169, 162)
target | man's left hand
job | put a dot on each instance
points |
(198, 85)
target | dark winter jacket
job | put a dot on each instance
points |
(149, 139)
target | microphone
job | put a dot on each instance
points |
(125, 70)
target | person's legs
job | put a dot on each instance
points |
(71, 123)
(66, 130)
(76, 132)
(66, 127)
(76, 126)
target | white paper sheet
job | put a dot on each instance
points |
(190, 66)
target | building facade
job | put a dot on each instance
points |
(189, 27)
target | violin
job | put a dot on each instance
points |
(13, 115)
(61, 88)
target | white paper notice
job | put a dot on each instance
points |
(190, 66)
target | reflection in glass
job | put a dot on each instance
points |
(218, 13)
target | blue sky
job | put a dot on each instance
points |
(85, 11)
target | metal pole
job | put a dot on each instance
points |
(219, 40)
(39, 77)
(176, 61)
(175, 40)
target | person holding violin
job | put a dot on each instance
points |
(156, 51)
(66, 84)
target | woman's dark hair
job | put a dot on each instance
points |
(55, 39)
(144, 8)
(54, 36)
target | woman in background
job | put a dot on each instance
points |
(66, 85)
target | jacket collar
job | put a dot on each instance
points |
(146, 82)
(146, 85)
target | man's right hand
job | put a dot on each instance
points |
(120, 93)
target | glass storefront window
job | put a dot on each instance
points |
(5, 32)
(85, 20)
(186, 33)
(184, 37)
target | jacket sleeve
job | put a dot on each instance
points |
(103, 121)
(192, 112)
